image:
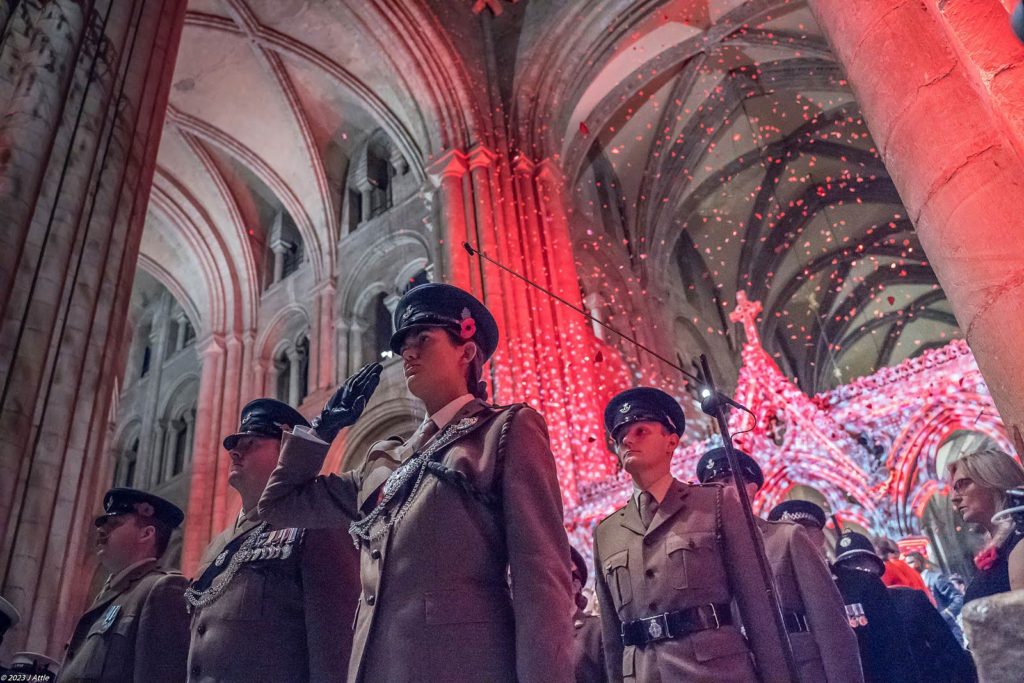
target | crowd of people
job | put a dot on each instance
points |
(445, 558)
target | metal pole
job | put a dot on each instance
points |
(714, 405)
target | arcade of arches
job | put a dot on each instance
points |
(207, 201)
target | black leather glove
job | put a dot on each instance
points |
(348, 402)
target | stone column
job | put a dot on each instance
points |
(341, 335)
(952, 148)
(159, 453)
(321, 363)
(180, 319)
(448, 172)
(150, 445)
(84, 90)
(356, 330)
(225, 501)
(199, 522)
(280, 248)
(190, 433)
(294, 379)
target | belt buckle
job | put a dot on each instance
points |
(656, 627)
(801, 619)
(714, 613)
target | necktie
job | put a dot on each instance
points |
(422, 435)
(648, 507)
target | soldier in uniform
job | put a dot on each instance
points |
(901, 635)
(464, 572)
(671, 562)
(824, 645)
(137, 628)
(805, 513)
(589, 652)
(272, 602)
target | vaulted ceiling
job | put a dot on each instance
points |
(709, 146)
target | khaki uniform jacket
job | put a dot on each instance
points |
(589, 664)
(803, 582)
(696, 551)
(437, 605)
(279, 619)
(136, 630)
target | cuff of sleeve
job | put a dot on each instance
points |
(304, 432)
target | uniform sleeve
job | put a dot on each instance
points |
(298, 496)
(538, 553)
(161, 648)
(826, 615)
(611, 626)
(330, 590)
(748, 587)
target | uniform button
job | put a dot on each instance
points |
(649, 573)
(201, 629)
(370, 600)
(375, 553)
(195, 671)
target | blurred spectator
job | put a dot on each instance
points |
(947, 598)
(980, 482)
(898, 572)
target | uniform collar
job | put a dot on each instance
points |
(445, 415)
(658, 489)
(120, 576)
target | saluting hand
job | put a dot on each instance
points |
(348, 402)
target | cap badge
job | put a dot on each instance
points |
(845, 542)
(625, 408)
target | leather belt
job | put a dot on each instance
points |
(796, 622)
(675, 624)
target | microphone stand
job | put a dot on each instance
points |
(714, 404)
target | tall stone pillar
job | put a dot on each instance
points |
(952, 145)
(83, 92)
(449, 173)
(321, 363)
(200, 525)
(513, 209)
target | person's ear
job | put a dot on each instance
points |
(673, 442)
(147, 533)
(469, 351)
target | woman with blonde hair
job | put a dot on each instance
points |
(980, 481)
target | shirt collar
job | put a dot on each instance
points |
(115, 578)
(658, 489)
(445, 415)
